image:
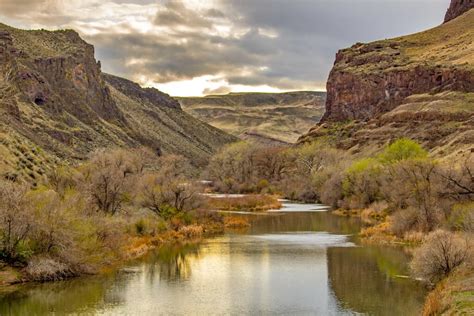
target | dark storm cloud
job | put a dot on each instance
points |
(280, 43)
(310, 32)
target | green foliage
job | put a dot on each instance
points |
(361, 181)
(140, 227)
(462, 217)
(402, 149)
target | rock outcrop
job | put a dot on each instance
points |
(370, 79)
(457, 8)
(419, 86)
(57, 105)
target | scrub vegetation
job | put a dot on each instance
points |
(401, 193)
(111, 208)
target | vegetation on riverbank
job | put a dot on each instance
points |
(401, 193)
(113, 207)
(245, 203)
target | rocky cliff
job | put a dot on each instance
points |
(457, 8)
(404, 87)
(57, 105)
(370, 79)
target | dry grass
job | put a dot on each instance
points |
(236, 222)
(452, 296)
(248, 203)
(192, 231)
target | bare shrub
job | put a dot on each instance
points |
(191, 231)
(169, 191)
(415, 184)
(43, 269)
(404, 221)
(331, 191)
(109, 176)
(459, 180)
(15, 221)
(440, 254)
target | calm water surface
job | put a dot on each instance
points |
(302, 261)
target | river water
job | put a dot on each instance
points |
(299, 261)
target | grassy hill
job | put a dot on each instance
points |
(57, 106)
(264, 117)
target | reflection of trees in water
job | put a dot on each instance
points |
(171, 262)
(317, 221)
(365, 280)
(61, 297)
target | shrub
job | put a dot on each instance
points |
(402, 149)
(43, 269)
(462, 217)
(253, 202)
(361, 182)
(416, 184)
(404, 221)
(440, 254)
(16, 222)
(140, 227)
(192, 231)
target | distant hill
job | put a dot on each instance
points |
(57, 106)
(264, 117)
(419, 86)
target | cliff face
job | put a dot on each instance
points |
(457, 8)
(55, 101)
(419, 86)
(370, 79)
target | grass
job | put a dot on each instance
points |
(450, 44)
(247, 203)
(236, 222)
(452, 296)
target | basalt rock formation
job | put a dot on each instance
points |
(419, 86)
(457, 8)
(57, 105)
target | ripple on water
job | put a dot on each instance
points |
(319, 239)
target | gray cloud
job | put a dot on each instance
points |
(283, 44)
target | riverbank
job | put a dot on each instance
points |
(452, 295)
(135, 246)
(301, 243)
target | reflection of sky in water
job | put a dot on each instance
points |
(307, 239)
(289, 263)
(243, 274)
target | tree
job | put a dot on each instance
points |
(109, 177)
(459, 180)
(402, 149)
(362, 181)
(167, 191)
(415, 183)
(233, 167)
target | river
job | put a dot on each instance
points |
(298, 261)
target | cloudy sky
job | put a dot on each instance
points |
(197, 47)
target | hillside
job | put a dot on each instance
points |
(419, 86)
(264, 117)
(57, 105)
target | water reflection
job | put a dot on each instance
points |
(170, 262)
(368, 280)
(287, 263)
